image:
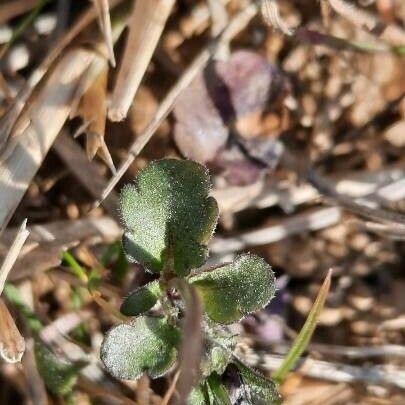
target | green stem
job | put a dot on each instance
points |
(75, 267)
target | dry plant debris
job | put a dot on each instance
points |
(297, 109)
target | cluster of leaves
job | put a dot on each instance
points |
(169, 219)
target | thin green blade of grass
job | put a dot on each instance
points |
(301, 341)
(74, 265)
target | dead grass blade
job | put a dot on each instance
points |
(271, 17)
(52, 106)
(313, 220)
(13, 253)
(333, 371)
(169, 393)
(237, 24)
(219, 16)
(8, 120)
(92, 230)
(197, 20)
(145, 28)
(92, 109)
(105, 26)
(63, 87)
(12, 344)
(85, 172)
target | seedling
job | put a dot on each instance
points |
(169, 219)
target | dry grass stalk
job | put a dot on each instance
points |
(97, 390)
(85, 172)
(105, 26)
(8, 120)
(338, 372)
(13, 253)
(198, 19)
(145, 28)
(46, 242)
(41, 258)
(382, 184)
(311, 221)
(91, 230)
(235, 26)
(12, 344)
(169, 393)
(92, 109)
(63, 325)
(52, 106)
(271, 17)
(219, 16)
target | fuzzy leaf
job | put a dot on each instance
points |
(169, 205)
(59, 376)
(146, 344)
(218, 348)
(141, 300)
(234, 290)
(257, 390)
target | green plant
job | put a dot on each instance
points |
(169, 219)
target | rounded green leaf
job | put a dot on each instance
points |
(146, 344)
(168, 210)
(142, 299)
(234, 290)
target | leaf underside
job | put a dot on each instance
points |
(168, 210)
(234, 290)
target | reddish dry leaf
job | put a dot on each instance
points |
(220, 116)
